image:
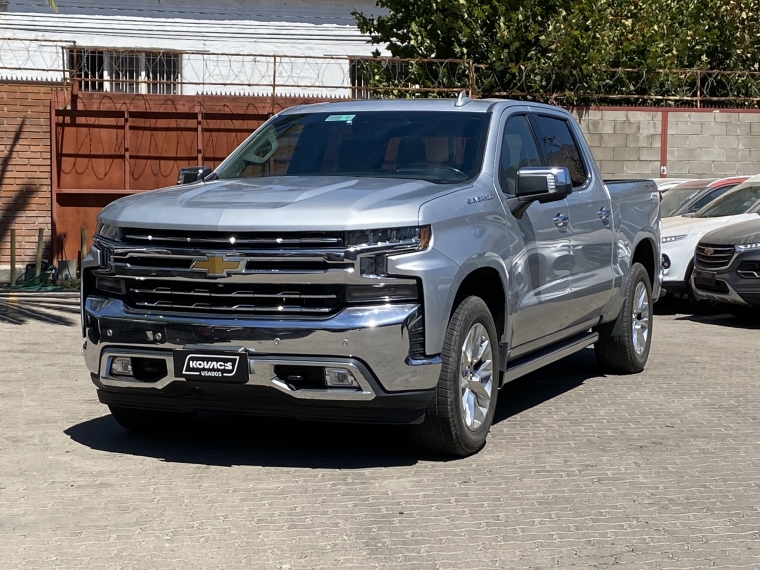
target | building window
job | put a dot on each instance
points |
(123, 71)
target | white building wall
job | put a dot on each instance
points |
(310, 28)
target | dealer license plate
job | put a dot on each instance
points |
(211, 366)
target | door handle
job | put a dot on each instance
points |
(604, 213)
(561, 220)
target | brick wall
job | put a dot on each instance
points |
(24, 169)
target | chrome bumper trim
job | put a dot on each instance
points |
(375, 336)
(260, 373)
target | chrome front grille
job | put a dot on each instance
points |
(232, 240)
(713, 257)
(234, 298)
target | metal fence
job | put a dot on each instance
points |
(166, 72)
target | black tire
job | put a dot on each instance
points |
(616, 353)
(151, 421)
(444, 431)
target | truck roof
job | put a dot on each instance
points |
(356, 105)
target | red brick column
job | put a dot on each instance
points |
(25, 193)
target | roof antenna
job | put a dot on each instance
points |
(462, 99)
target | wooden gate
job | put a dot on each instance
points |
(108, 145)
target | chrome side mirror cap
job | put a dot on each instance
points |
(542, 183)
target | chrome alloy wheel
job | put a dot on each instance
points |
(640, 318)
(476, 376)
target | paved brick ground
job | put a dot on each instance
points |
(659, 470)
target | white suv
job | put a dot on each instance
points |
(680, 234)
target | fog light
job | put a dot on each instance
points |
(340, 378)
(665, 262)
(121, 366)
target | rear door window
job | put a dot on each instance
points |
(561, 148)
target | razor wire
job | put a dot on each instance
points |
(167, 72)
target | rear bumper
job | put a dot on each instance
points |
(372, 342)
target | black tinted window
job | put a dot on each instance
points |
(561, 148)
(518, 149)
(738, 201)
(704, 200)
(443, 147)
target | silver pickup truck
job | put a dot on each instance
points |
(372, 261)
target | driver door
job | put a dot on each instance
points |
(541, 268)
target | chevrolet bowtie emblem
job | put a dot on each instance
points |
(709, 251)
(218, 266)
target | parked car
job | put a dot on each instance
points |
(681, 234)
(665, 184)
(727, 265)
(372, 261)
(694, 195)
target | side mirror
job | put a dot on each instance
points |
(539, 183)
(543, 183)
(192, 174)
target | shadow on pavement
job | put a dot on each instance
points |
(741, 318)
(545, 384)
(22, 310)
(226, 440)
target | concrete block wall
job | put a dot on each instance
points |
(713, 143)
(25, 194)
(625, 144)
(700, 143)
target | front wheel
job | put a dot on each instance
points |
(151, 421)
(627, 351)
(459, 417)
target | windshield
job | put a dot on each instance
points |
(440, 147)
(737, 201)
(677, 197)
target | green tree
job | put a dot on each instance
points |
(556, 46)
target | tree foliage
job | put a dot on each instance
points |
(671, 34)
(570, 45)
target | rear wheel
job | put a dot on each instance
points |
(627, 352)
(151, 421)
(459, 417)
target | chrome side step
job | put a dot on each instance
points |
(533, 362)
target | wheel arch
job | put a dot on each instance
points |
(645, 252)
(485, 277)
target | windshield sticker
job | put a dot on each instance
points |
(341, 118)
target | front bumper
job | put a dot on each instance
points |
(372, 342)
(730, 286)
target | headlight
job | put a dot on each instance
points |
(107, 231)
(670, 239)
(412, 238)
(747, 246)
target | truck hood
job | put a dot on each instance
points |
(278, 203)
(682, 225)
(735, 234)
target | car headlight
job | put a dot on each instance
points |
(408, 238)
(747, 246)
(107, 231)
(670, 239)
